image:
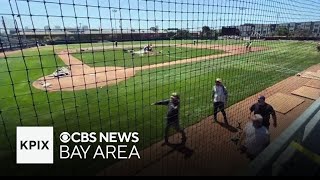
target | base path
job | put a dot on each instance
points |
(86, 77)
(209, 150)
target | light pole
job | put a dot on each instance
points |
(114, 15)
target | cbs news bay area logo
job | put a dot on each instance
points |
(35, 145)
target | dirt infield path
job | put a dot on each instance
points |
(85, 77)
(230, 50)
(213, 152)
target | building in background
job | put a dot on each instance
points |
(85, 28)
(301, 29)
(246, 30)
(57, 28)
(316, 29)
(292, 28)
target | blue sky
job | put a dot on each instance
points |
(187, 14)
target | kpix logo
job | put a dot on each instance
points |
(34, 145)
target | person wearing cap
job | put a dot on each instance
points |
(266, 110)
(255, 137)
(220, 98)
(172, 116)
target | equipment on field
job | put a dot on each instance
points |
(61, 72)
(146, 50)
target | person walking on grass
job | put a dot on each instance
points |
(220, 99)
(172, 118)
(265, 110)
(254, 138)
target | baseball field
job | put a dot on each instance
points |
(125, 104)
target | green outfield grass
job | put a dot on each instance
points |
(126, 107)
(123, 58)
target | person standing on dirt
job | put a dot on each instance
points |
(172, 118)
(116, 43)
(254, 138)
(220, 99)
(266, 110)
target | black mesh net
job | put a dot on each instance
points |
(98, 65)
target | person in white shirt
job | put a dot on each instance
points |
(220, 98)
(255, 137)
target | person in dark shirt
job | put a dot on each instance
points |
(172, 116)
(266, 110)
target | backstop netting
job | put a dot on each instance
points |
(102, 66)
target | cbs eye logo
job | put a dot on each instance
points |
(78, 137)
(65, 137)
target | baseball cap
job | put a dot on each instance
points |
(175, 95)
(262, 98)
(219, 80)
(257, 117)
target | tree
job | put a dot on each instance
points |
(282, 31)
(182, 34)
(208, 33)
(215, 35)
(205, 30)
(171, 34)
(155, 29)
